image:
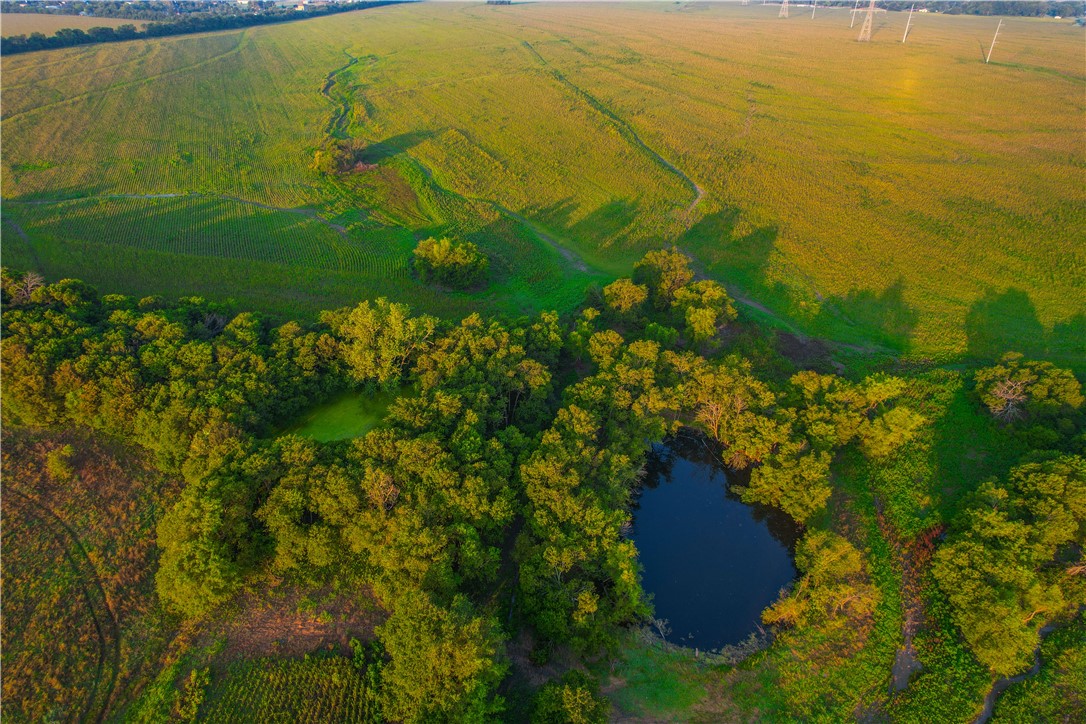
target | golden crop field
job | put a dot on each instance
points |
(27, 23)
(900, 196)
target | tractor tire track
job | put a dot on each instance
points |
(237, 48)
(106, 626)
(26, 240)
(624, 128)
(308, 213)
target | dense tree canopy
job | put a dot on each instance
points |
(1002, 569)
(509, 462)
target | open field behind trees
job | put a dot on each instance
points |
(878, 194)
(27, 23)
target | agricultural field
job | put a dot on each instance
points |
(315, 689)
(27, 23)
(882, 195)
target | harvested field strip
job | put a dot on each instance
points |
(94, 596)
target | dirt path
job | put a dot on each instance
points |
(1003, 684)
(26, 239)
(624, 128)
(94, 594)
(287, 621)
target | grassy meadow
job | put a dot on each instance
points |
(897, 197)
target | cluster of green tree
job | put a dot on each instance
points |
(338, 157)
(1014, 560)
(145, 10)
(166, 376)
(512, 457)
(1040, 403)
(456, 264)
(180, 24)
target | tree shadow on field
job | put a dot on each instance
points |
(601, 228)
(744, 258)
(1000, 322)
(382, 150)
(1069, 338)
(884, 315)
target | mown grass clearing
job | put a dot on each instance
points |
(350, 415)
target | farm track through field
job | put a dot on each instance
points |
(624, 128)
(240, 45)
(563, 249)
(26, 240)
(105, 622)
(308, 213)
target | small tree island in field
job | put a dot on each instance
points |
(457, 264)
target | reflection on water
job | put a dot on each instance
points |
(711, 562)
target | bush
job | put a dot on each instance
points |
(570, 700)
(59, 464)
(457, 264)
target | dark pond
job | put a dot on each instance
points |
(711, 562)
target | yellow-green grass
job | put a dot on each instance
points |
(349, 415)
(906, 196)
(27, 23)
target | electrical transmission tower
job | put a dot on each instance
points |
(869, 20)
(784, 9)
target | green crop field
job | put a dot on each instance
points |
(886, 195)
(316, 689)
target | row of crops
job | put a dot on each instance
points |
(314, 689)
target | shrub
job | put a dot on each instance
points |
(570, 700)
(457, 264)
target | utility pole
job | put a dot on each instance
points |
(814, 6)
(992, 46)
(784, 9)
(855, 5)
(869, 20)
(908, 24)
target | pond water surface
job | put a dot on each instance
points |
(711, 562)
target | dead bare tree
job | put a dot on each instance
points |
(1010, 396)
(26, 286)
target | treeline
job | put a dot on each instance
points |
(144, 10)
(509, 463)
(1019, 8)
(183, 24)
